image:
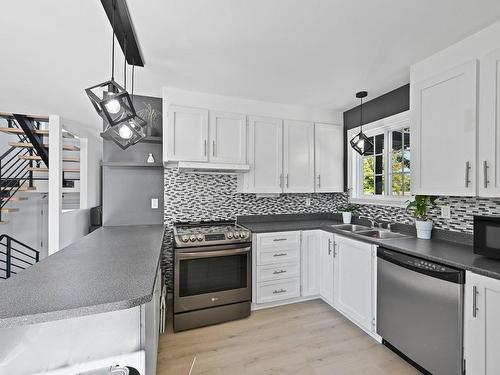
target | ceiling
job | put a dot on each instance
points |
(304, 52)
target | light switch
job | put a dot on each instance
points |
(446, 212)
(154, 202)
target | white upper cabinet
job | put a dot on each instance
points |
(489, 126)
(298, 157)
(311, 262)
(354, 281)
(326, 271)
(482, 325)
(186, 135)
(443, 133)
(228, 138)
(329, 156)
(265, 155)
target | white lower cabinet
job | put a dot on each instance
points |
(327, 268)
(311, 262)
(277, 269)
(482, 325)
(354, 281)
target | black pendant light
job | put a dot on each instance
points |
(360, 142)
(113, 103)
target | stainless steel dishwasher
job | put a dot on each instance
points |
(420, 311)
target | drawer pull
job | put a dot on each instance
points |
(278, 291)
(280, 255)
(279, 239)
(278, 272)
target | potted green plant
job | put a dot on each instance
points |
(347, 212)
(420, 207)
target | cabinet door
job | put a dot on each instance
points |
(489, 126)
(329, 157)
(186, 134)
(353, 280)
(443, 133)
(482, 325)
(310, 262)
(298, 157)
(326, 271)
(228, 137)
(265, 155)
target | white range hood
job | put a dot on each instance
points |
(208, 168)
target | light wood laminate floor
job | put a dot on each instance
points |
(303, 338)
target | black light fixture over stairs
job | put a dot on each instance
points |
(360, 142)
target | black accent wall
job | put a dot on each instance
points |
(386, 105)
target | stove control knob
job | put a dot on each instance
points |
(244, 234)
(199, 237)
(192, 238)
(185, 238)
(230, 235)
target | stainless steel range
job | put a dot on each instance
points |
(212, 273)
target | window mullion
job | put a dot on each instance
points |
(387, 157)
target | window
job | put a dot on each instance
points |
(383, 174)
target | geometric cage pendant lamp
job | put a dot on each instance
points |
(360, 142)
(113, 103)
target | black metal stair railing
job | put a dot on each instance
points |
(15, 256)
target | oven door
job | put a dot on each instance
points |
(487, 236)
(212, 276)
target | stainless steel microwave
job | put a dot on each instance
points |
(487, 236)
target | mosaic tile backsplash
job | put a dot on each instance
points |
(210, 197)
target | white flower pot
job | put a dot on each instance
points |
(347, 217)
(424, 229)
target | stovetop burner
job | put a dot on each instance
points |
(206, 233)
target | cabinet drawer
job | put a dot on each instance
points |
(271, 291)
(278, 256)
(278, 240)
(277, 272)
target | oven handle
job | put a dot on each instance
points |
(211, 254)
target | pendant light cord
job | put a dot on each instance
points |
(361, 115)
(113, 44)
(125, 63)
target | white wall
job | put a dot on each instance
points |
(74, 225)
(473, 47)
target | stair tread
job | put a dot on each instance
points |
(14, 199)
(46, 145)
(66, 159)
(22, 188)
(4, 222)
(33, 117)
(20, 131)
(45, 169)
(9, 209)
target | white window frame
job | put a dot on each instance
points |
(355, 161)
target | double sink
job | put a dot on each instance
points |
(377, 233)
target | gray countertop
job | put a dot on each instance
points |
(113, 268)
(451, 253)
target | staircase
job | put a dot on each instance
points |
(15, 256)
(26, 158)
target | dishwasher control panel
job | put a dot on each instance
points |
(427, 265)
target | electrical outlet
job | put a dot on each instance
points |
(445, 212)
(154, 202)
(308, 202)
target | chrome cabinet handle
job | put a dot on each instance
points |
(281, 180)
(485, 169)
(213, 148)
(279, 239)
(205, 148)
(467, 170)
(287, 180)
(329, 246)
(278, 291)
(278, 272)
(474, 301)
(319, 181)
(334, 249)
(280, 255)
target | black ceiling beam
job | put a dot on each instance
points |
(124, 29)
